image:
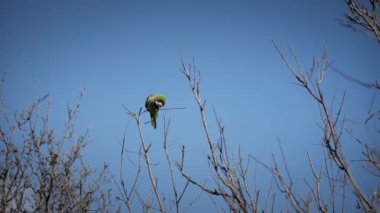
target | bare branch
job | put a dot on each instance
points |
(145, 149)
(365, 17)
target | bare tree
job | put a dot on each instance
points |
(144, 152)
(127, 193)
(148, 203)
(230, 177)
(311, 81)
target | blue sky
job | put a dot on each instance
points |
(118, 52)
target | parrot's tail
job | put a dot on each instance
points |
(153, 119)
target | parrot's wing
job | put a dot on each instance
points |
(149, 102)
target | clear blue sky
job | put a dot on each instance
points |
(118, 52)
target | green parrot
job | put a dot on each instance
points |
(153, 103)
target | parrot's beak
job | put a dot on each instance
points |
(159, 104)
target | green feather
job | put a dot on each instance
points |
(160, 98)
(153, 119)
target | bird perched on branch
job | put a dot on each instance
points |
(153, 103)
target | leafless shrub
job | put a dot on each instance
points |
(42, 172)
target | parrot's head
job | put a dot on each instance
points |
(159, 100)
